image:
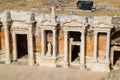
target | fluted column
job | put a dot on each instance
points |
(82, 56)
(43, 42)
(54, 43)
(108, 47)
(65, 49)
(7, 45)
(31, 51)
(95, 46)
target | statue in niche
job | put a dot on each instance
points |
(49, 49)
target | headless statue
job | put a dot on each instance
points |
(49, 49)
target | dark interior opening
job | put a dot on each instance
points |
(85, 5)
(75, 52)
(116, 56)
(22, 49)
(75, 36)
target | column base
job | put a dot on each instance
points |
(95, 60)
(7, 62)
(82, 67)
(100, 66)
(48, 62)
(31, 63)
(65, 65)
(107, 60)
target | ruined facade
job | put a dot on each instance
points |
(58, 40)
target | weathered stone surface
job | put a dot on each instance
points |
(57, 29)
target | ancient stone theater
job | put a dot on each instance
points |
(59, 40)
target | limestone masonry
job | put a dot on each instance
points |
(54, 40)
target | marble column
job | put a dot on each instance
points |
(65, 49)
(43, 42)
(14, 47)
(82, 56)
(95, 46)
(7, 45)
(107, 47)
(54, 43)
(31, 51)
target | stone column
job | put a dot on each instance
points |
(43, 42)
(14, 47)
(65, 49)
(31, 51)
(95, 46)
(107, 47)
(7, 45)
(54, 43)
(82, 56)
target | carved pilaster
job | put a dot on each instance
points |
(95, 46)
(54, 43)
(43, 42)
(82, 56)
(65, 49)
(107, 47)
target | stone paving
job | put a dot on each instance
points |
(26, 72)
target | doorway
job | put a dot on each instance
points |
(116, 57)
(22, 48)
(75, 58)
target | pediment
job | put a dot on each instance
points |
(49, 22)
(73, 23)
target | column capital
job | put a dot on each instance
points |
(82, 32)
(108, 32)
(54, 31)
(65, 31)
(95, 32)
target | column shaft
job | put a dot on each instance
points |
(43, 42)
(108, 46)
(54, 43)
(95, 46)
(14, 47)
(8, 60)
(31, 51)
(65, 49)
(82, 56)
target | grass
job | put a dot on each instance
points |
(37, 6)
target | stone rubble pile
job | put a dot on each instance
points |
(114, 75)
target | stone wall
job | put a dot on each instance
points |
(35, 24)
